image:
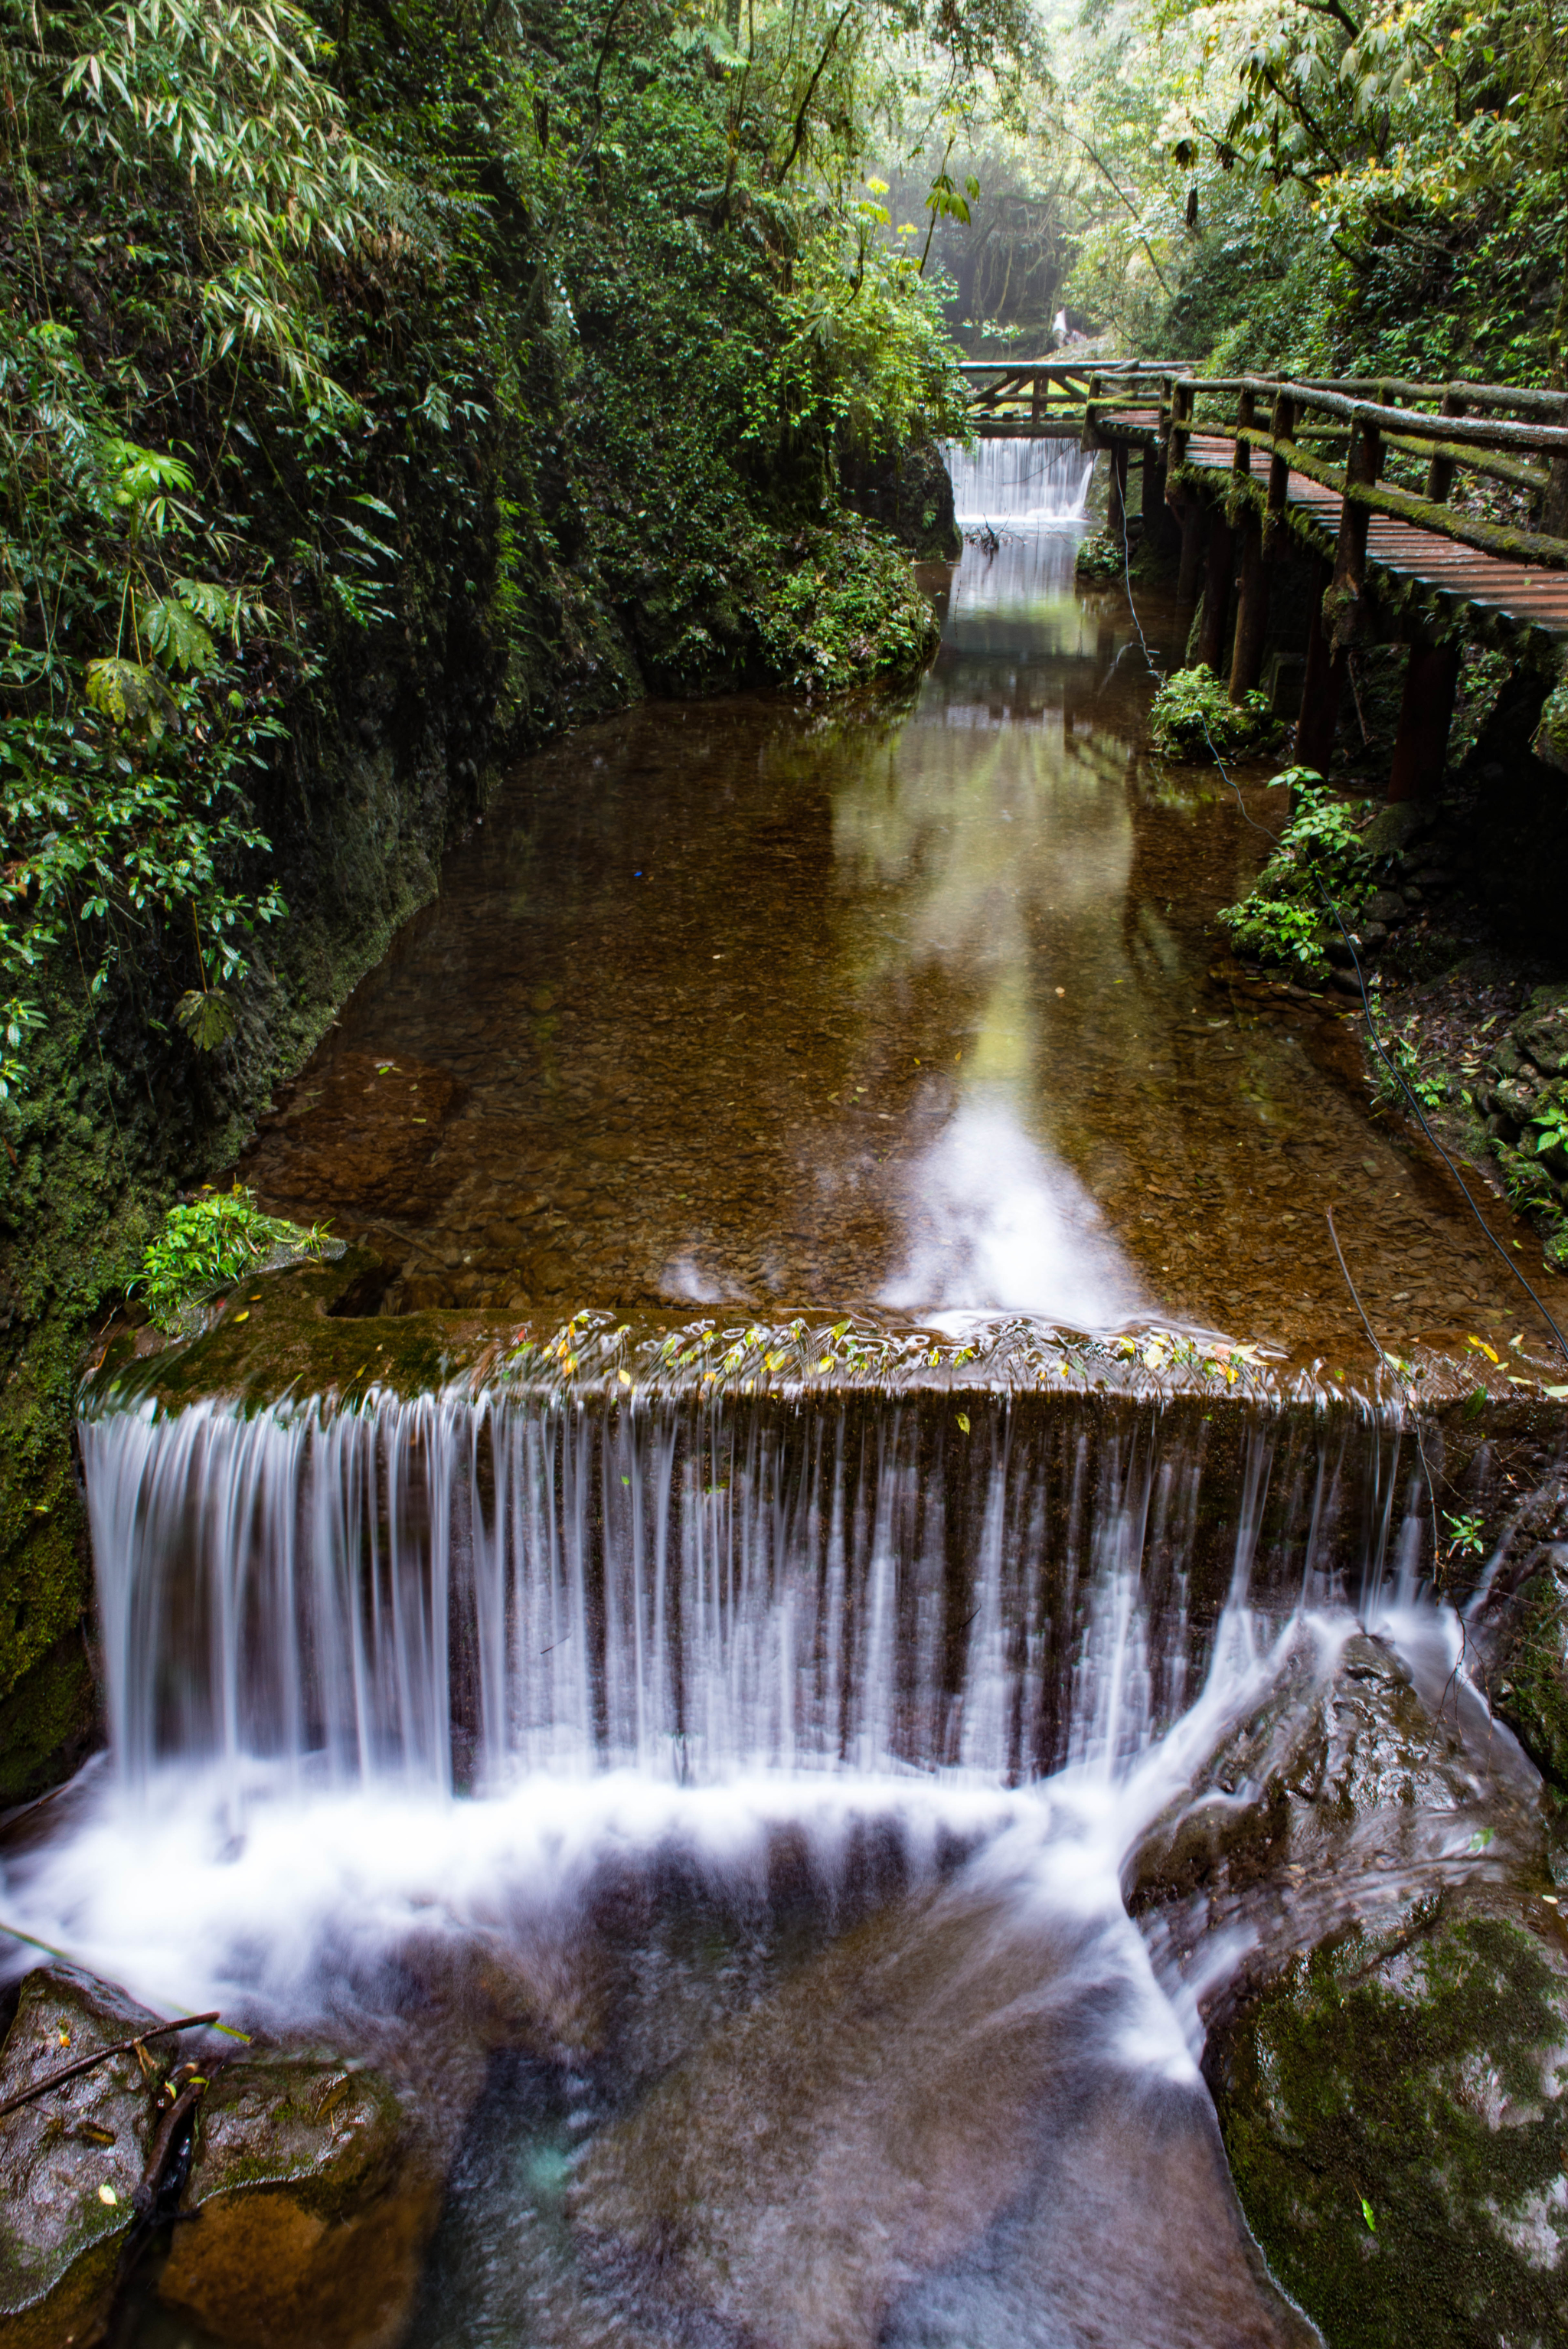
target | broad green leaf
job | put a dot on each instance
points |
(208, 1018)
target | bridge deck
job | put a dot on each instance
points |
(1530, 598)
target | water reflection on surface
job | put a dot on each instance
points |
(916, 999)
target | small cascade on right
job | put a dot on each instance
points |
(1019, 484)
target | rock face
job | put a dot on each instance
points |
(315, 2204)
(70, 2162)
(911, 494)
(1393, 2115)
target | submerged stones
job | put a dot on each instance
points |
(1394, 2112)
(302, 2217)
(935, 2131)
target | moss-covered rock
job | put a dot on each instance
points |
(1551, 742)
(1394, 2116)
(70, 2161)
(312, 2199)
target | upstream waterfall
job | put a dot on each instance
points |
(1019, 482)
(452, 1587)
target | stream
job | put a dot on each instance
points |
(754, 1827)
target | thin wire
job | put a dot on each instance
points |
(1397, 1074)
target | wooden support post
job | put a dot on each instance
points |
(1115, 494)
(1323, 687)
(1426, 713)
(1252, 609)
(1153, 504)
(1039, 394)
(1363, 464)
(1217, 579)
(1441, 470)
(1194, 516)
(1180, 430)
(1282, 425)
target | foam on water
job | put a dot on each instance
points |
(1019, 482)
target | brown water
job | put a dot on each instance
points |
(917, 1002)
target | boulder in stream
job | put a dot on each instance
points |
(71, 2160)
(313, 2197)
(1396, 2113)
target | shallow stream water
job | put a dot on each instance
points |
(914, 1002)
(747, 1824)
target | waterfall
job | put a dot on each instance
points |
(455, 1588)
(1020, 482)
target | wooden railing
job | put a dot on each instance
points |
(1342, 434)
(1055, 393)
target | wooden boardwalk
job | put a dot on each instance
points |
(1520, 595)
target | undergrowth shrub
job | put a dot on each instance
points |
(209, 1243)
(1282, 918)
(1193, 717)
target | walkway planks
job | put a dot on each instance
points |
(1513, 592)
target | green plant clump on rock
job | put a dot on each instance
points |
(1193, 717)
(206, 1244)
(1282, 918)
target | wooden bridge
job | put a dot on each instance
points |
(1424, 513)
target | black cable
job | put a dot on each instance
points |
(1331, 906)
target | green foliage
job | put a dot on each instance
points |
(209, 1243)
(1102, 557)
(1282, 918)
(1193, 717)
(1466, 1536)
(1402, 1071)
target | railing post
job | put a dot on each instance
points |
(1246, 417)
(1182, 402)
(1555, 505)
(1090, 439)
(1282, 426)
(1038, 390)
(1441, 470)
(1363, 464)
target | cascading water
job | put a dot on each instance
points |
(1018, 483)
(780, 1838)
(468, 1586)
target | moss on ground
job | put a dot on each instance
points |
(1394, 2116)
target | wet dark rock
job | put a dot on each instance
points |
(71, 2161)
(1387, 906)
(1395, 825)
(1393, 2110)
(910, 491)
(1346, 1793)
(1529, 1675)
(314, 2197)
